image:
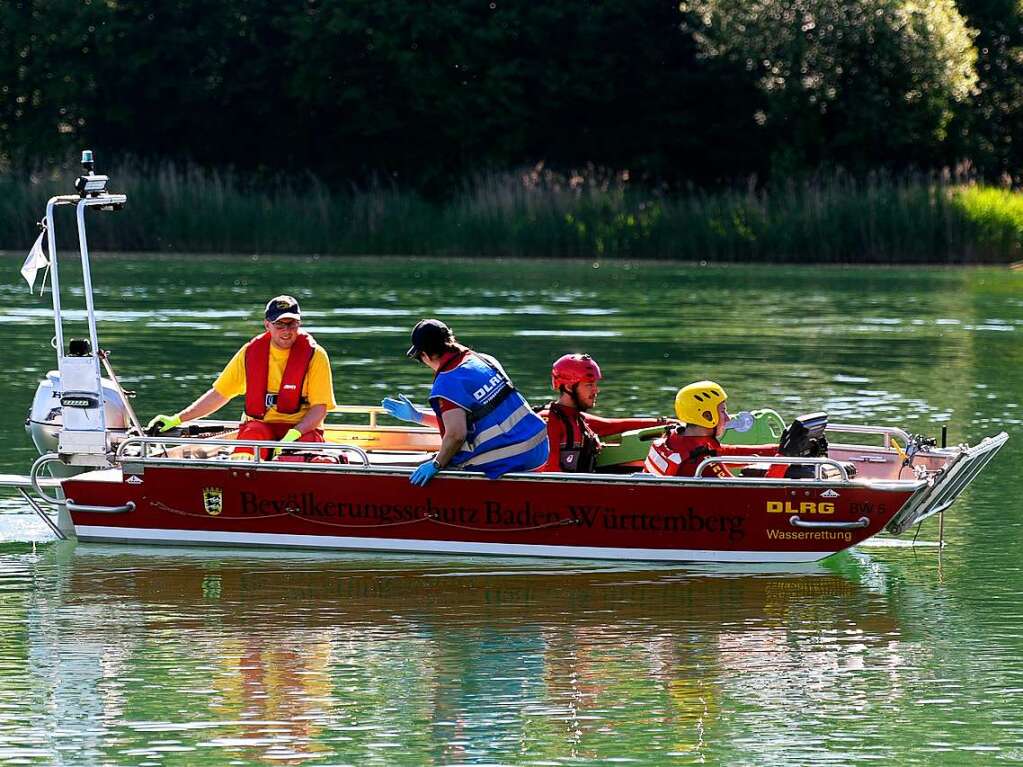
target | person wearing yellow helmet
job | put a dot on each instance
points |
(700, 406)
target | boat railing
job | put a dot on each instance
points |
(135, 454)
(885, 432)
(145, 444)
(142, 449)
(760, 460)
(372, 411)
(136, 449)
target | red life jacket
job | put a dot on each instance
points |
(579, 450)
(257, 371)
(677, 456)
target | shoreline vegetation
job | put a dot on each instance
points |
(927, 219)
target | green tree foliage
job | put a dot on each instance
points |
(994, 125)
(169, 78)
(429, 94)
(439, 91)
(856, 84)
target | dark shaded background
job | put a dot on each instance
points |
(429, 94)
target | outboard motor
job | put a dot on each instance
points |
(45, 419)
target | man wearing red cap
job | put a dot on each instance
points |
(572, 433)
(285, 377)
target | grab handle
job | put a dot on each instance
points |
(33, 476)
(89, 509)
(748, 460)
(795, 521)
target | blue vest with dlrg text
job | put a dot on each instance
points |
(504, 434)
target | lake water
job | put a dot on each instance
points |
(888, 654)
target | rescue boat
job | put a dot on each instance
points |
(110, 482)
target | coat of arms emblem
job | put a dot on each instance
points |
(213, 500)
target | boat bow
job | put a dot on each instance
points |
(948, 483)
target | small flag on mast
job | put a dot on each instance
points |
(36, 260)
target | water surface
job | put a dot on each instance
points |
(887, 654)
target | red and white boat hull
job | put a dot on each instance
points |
(633, 518)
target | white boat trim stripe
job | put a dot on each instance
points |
(110, 534)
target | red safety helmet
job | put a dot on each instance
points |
(573, 369)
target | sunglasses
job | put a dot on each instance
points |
(286, 324)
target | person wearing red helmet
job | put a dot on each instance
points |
(573, 434)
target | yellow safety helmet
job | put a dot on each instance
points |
(697, 403)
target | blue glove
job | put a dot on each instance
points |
(425, 473)
(402, 409)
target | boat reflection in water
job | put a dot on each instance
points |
(270, 656)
